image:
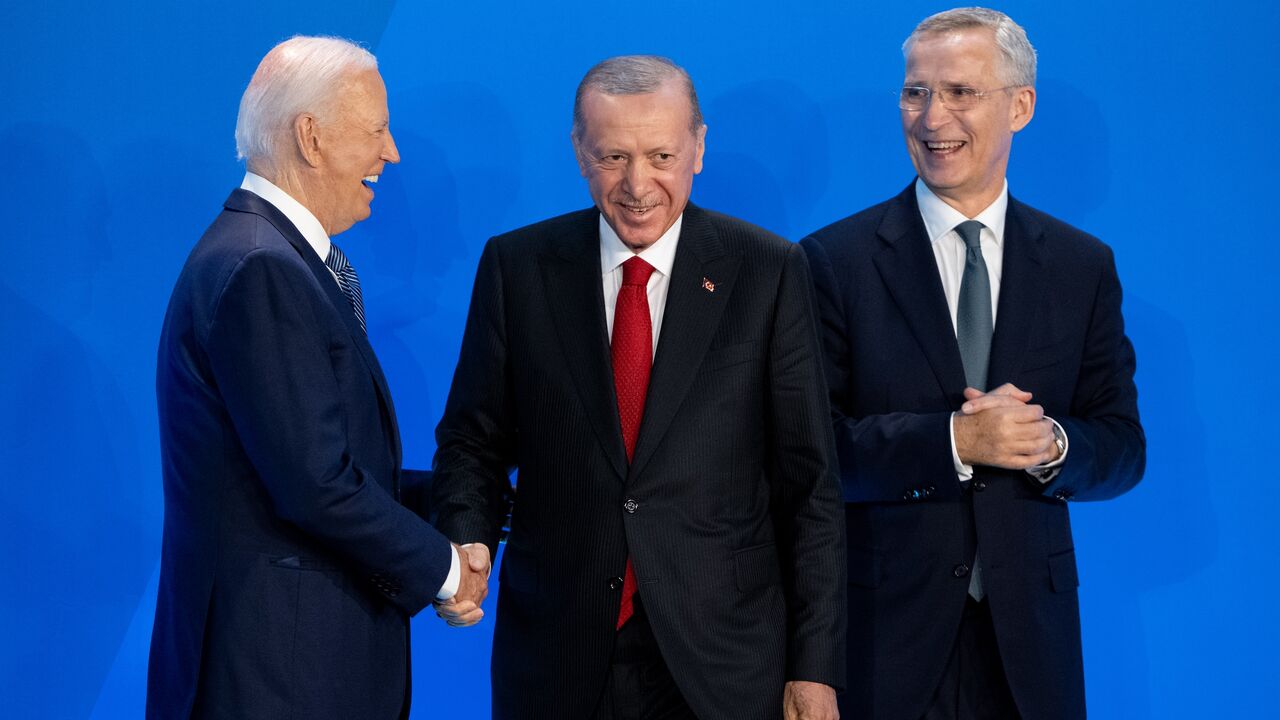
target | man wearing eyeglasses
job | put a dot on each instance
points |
(980, 379)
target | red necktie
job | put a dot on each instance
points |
(632, 350)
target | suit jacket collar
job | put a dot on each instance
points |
(571, 276)
(1022, 294)
(245, 201)
(910, 272)
(689, 322)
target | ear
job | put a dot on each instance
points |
(577, 154)
(1022, 109)
(306, 134)
(702, 148)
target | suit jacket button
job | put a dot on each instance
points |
(979, 485)
(960, 570)
(930, 490)
(906, 495)
(615, 583)
(631, 505)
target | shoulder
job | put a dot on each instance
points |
(738, 236)
(1065, 241)
(547, 234)
(859, 227)
(243, 251)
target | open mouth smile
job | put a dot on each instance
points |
(946, 147)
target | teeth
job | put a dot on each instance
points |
(949, 145)
(371, 179)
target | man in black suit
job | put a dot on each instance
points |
(980, 378)
(653, 371)
(289, 567)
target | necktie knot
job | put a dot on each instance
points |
(970, 231)
(336, 261)
(636, 272)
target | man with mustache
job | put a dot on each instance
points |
(652, 370)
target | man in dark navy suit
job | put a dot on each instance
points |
(289, 568)
(980, 379)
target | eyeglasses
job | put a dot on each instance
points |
(916, 97)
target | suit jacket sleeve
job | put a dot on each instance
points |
(810, 516)
(1108, 446)
(475, 438)
(883, 458)
(271, 361)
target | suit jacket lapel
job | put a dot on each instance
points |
(1021, 294)
(688, 324)
(573, 286)
(910, 272)
(245, 201)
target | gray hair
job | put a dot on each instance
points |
(1019, 66)
(300, 75)
(633, 75)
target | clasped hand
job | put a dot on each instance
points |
(463, 609)
(1001, 429)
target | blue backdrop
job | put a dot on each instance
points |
(116, 134)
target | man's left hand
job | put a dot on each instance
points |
(804, 700)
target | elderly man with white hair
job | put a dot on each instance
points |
(290, 568)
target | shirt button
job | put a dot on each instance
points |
(960, 570)
(615, 583)
(631, 505)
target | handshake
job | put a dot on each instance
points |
(463, 609)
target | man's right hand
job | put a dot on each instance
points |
(463, 609)
(1000, 429)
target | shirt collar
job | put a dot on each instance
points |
(940, 218)
(661, 255)
(301, 217)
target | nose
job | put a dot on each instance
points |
(635, 178)
(935, 114)
(389, 151)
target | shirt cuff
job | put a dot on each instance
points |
(1047, 472)
(963, 472)
(450, 587)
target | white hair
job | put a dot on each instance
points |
(300, 75)
(1019, 66)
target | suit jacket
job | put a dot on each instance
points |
(289, 569)
(730, 509)
(895, 376)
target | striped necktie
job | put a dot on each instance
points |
(347, 280)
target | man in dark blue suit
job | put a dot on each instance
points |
(290, 568)
(980, 379)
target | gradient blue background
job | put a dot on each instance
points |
(1153, 131)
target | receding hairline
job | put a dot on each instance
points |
(626, 75)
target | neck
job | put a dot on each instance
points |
(969, 205)
(291, 181)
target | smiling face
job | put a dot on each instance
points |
(639, 157)
(354, 146)
(961, 155)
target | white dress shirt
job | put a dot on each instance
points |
(940, 221)
(313, 232)
(661, 255)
